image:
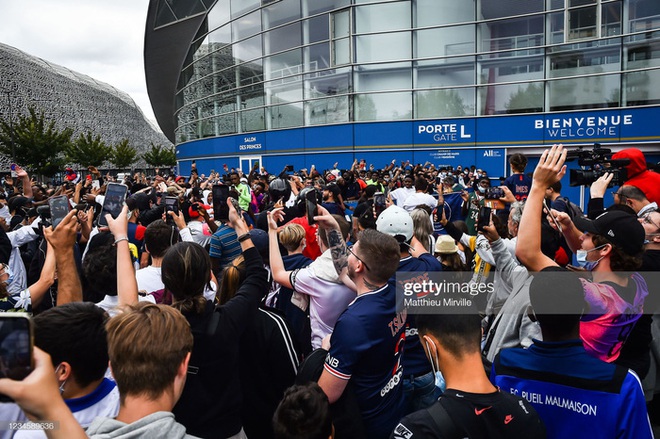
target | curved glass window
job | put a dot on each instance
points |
(261, 64)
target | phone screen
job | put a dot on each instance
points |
(59, 208)
(379, 202)
(115, 194)
(484, 218)
(554, 220)
(311, 206)
(171, 205)
(220, 194)
(16, 343)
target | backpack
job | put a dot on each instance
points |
(572, 209)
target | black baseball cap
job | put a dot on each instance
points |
(620, 228)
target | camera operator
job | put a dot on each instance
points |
(607, 246)
(639, 175)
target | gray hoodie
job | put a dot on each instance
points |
(156, 425)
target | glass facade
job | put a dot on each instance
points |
(266, 65)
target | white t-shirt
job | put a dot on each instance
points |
(328, 297)
(149, 280)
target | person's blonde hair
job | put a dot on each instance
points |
(147, 344)
(291, 236)
(232, 277)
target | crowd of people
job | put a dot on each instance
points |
(189, 315)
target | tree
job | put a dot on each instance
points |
(160, 156)
(88, 150)
(37, 145)
(123, 155)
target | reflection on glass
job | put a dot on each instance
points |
(511, 98)
(317, 57)
(341, 51)
(642, 54)
(447, 41)
(247, 50)
(524, 34)
(253, 120)
(586, 58)
(641, 88)
(313, 7)
(445, 72)
(220, 37)
(219, 14)
(285, 116)
(283, 38)
(284, 90)
(331, 83)
(383, 47)
(382, 17)
(380, 77)
(246, 26)
(491, 9)
(583, 93)
(281, 12)
(240, 7)
(455, 102)
(434, 12)
(383, 106)
(325, 111)
(494, 71)
(285, 64)
(317, 29)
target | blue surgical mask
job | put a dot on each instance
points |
(581, 257)
(439, 379)
(482, 189)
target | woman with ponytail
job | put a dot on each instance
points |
(210, 405)
(266, 341)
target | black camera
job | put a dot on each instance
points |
(494, 193)
(595, 163)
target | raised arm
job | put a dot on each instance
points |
(549, 170)
(336, 244)
(61, 242)
(277, 269)
(127, 289)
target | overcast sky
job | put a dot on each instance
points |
(103, 39)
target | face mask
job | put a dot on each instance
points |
(482, 189)
(63, 382)
(581, 256)
(439, 379)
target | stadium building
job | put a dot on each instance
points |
(71, 100)
(452, 82)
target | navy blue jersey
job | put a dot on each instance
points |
(575, 394)
(414, 358)
(519, 185)
(366, 347)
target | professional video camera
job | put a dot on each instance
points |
(595, 163)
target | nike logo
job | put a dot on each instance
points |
(508, 419)
(478, 412)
